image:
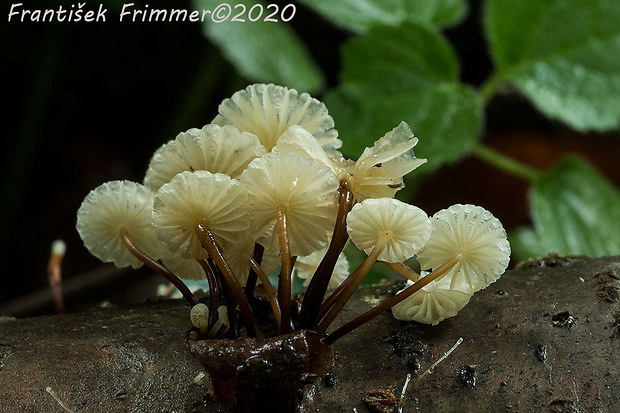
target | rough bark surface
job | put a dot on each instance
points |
(544, 338)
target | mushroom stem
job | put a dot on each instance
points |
(157, 267)
(54, 275)
(208, 243)
(353, 282)
(404, 270)
(384, 306)
(275, 307)
(228, 298)
(214, 293)
(320, 280)
(286, 269)
(257, 255)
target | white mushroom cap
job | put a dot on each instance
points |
(379, 171)
(201, 196)
(213, 148)
(305, 268)
(304, 189)
(267, 111)
(431, 304)
(238, 256)
(199, 315)
(477, 235)
(298, 140)
(407, 227)
(185, 268)
(110, 208)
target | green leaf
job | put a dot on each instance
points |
(361, 15)
(525, 244)
(405, 73)
(563, 55)
(575, 210)
(262, 51)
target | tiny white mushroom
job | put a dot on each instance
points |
(294, 206)
(432, 304)
(199, 316)
(213, 148)
(304, 189)
(404, 228)
(267, 111)
(114, 208)
(379, 171)
(387, 229)
(477, 236)
(196, 213)
(201, 196)
(115, 225)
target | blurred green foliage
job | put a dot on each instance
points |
(562, 55)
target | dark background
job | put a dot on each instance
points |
(87, 103)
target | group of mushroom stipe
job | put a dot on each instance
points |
(263, 189)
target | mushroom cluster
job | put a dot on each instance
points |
(262, 194)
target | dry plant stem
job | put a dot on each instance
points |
(286, 269)
(273, 300)
(320, 280)
(384, 306)
(214, 293)
(208, 243)
(60, 402)
(356, 279)
(157, 267)
(435, 364)
(404, 270)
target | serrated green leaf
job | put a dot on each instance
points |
(576, 210)
(262, 51)
(405, 73)
(361, 15)
(564, 55)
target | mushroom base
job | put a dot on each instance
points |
(254, 375)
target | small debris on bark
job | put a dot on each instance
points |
(564, 319)
(330, 380)
(467, 375)
(541, 353)
(563, 406)
(609, 282)
(608, 293)
(381, 400)
(551, 260)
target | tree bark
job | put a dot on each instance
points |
(544, 338)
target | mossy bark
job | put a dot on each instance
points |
(545, 337)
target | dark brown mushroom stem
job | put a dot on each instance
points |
(317, 288)
(214, 294)
(286, 270)
(257, 255)
(209, 244)
(271, 294)
(355, 279)
(157, 267)
(227, 297)
(334, 297)
(384, 306)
